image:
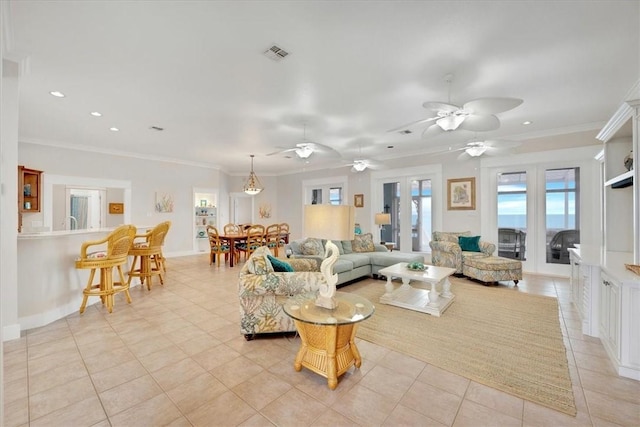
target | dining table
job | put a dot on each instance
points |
(234, 238)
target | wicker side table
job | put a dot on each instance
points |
(327, 336)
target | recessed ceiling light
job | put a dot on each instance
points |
(96, 114)
(114, 129)
(57, 94)
(528, 122)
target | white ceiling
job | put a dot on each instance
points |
(356, 69)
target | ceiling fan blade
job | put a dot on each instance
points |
(408, 125)
(500, 144)
(491, 105)
(287, 150)
(431, 131)
(441, 106)
(480, 123)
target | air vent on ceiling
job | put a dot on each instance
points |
(158, 128)
(276, 53)
(405, 132)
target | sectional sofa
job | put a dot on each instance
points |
(358, 258)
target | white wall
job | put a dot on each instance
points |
(9, 200)
(146, 176)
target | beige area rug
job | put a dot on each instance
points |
(504, 339)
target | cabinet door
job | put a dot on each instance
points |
(613, 333)
(604, 307)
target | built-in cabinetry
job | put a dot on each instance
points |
(585, 284)
(29, 192)
(204, 216)
(620, 322)
(618, 308)
(29, 189)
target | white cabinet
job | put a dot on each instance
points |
(585, 288)
(610, 315)
(620, 323)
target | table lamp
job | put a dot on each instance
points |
(380, 220)
(331, 222)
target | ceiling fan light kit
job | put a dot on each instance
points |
(476, 150)
(359, 165)
(304, 151)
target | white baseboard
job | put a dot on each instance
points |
(11, 332)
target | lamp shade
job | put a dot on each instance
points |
(331, 222)
(382, 219)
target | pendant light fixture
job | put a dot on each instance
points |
(252, 186)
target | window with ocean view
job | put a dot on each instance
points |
(512, 214)
(562, 213)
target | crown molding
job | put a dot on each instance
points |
(86, 148)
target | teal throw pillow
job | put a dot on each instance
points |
(279, 265)
(469, 244)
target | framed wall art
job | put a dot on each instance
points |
(461, 194)
(358, 200)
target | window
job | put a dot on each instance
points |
(335, 196)
(512, 214)
(420, 214)
(562, 213)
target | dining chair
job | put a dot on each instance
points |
(255, 239)
(217, 245)
(272, 237)
(231, 229)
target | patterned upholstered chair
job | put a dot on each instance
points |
(446, 252)
(263, 291)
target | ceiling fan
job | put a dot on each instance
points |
(359, 165)
(478, 115)
(476, 148)
(305, 149)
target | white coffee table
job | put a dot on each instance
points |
(426, 301)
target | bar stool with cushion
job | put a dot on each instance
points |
(148, 249)
(105, 254)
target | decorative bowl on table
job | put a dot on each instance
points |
(416, 266)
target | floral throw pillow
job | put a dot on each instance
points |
(363, 243)
(312, 247)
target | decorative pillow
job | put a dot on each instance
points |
(363, 243)
(279, 265)
(312, 247)
(469, 244)
(295, 247)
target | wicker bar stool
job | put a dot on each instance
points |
(115, 255)
(148, 250)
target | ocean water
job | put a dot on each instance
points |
(520, 221)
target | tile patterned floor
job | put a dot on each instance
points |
(175, 357)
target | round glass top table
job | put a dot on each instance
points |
(328, 335)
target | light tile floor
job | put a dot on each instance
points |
(175, 357)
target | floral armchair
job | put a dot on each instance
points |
(263, 291)
(446, 252)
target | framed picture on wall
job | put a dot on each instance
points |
(461, 194)
(358, 200)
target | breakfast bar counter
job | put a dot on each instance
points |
(49, 285)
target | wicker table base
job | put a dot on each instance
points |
(328, 350)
